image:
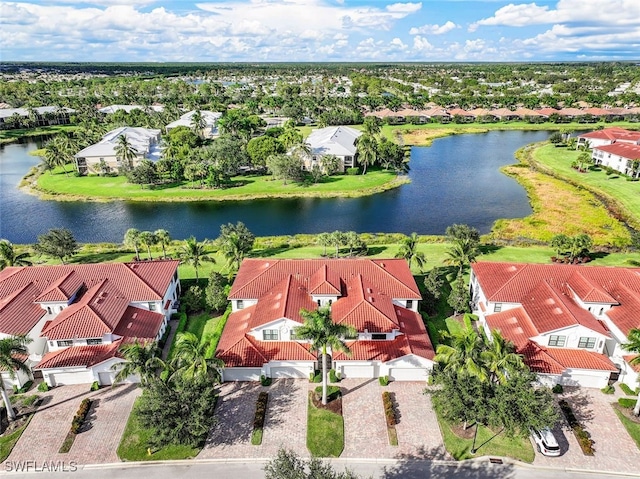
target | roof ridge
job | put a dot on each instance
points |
(269, 266)
(129, 267)
(397, 280)
(517, 273)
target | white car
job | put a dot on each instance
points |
(545, 442)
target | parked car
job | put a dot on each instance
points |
(545, 441)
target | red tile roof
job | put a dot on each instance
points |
(613, 134)
(87, 356)
(139, 323)
(18, 311)
(629, 358)
(625, 150)
(556, 360)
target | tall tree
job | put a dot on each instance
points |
(163, 238)
(194, 253)
(465, 247)
(236, 241)
(216, 292)
(9, 257)
(464, 355)
(409, 251)
(324, 240)
(125, 151)
(634, 346)
(193, 357)
(500, 358)
(371, 125)
(57, 242)
(324, 334)
(198, 123)
(459, 297)
(285, 167)
(132, 239)
(148, 239)
(337, 239)
(142, 359)
(11, 351)
(367, 151)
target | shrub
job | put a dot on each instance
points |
(353, 171)
(384, 380)
(43, 387)
(265, 381)
(583, 437)
(627, 402)
(30, 400)
(389, 409)
(334, 377)
(557, 389)
(627, 390)
(95, 386)
(261, 410)
(315, 377)
(80, 416)
(608, 389)
(333, 392)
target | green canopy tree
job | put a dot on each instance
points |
(324, 334)
(409, 251)
(195, 253)
(324, 240)
(132, 239)
(11, 350)
(148, 239)
(500, 358)
(9, 256)
(193, 358)
(633, 346)
(57, 242)
(235, 242)
(163, 239)
(141, 359)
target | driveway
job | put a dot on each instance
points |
(96, 444)
(614, 448)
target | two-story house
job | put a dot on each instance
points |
(79, 315)
(340, 141)
(568, 321)
(379, 298)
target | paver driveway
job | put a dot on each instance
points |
(615, 450)
(51, 423)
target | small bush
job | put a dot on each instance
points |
(265, 381)
(315, 377)
(627, 390)
(353, 171)
(80, 416)
(608, 389)
(261, 410)
(389, 409)
(30, 400)
(384, 380)
(333, 376)
(333, 392)
(557, 389)
(95, 386)
(43, 387)
(583, 437)
(627, 402)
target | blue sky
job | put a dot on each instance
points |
(319, 30)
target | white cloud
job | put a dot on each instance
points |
(404, 7)
(421, 44)
(433, 29)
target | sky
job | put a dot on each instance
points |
(319, 30)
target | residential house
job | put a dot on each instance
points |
(568, 321)
(101, 157)
(608, 136)
(340, 141)
(379, 298)
(210, 118)
(40, 116)
(79, 315)
(111, 109)
(622, 157)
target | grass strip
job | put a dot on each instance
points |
(325, 431)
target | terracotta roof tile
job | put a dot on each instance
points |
(87, 356)
(629, 358)
(18, 311)
(556, 360)
(625, 150)
(139, 323)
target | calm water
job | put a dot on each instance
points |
(456, 180)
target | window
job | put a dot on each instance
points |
(240, 304)
(497, 307)
(94, 341)
(555, 340)
(588, 343)
(409, 303)
(152, 306)
(601, 311)
(319, 303)
(49, 310)
(66, 342)
(60, 308)
(379, 336)
(270, 335)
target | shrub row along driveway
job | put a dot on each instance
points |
(285, 425)
(99, 439)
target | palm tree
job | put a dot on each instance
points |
(371, 126)
(634, 346)
(54, 155)
(125, 151)
(232, 250)
(464, 355)
(323, 333)
(324, 240)
(162, 236)
(148, 239)
(194, 253)
(142, 359)
(132, 238)
(500, 357)
(194, 358)
(409, 251)
(367, 151)
(198, 123)
(11, 349)
(461, 254)
(9, 257)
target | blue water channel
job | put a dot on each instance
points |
(456, 180)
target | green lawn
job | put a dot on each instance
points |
(7, 442)
(56, 183)
(487, 444)
(11, 136)
(134, 444)
(633, 428)
(204, 326)
(325, 432)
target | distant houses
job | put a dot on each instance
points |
(102, 156)
(209, 120)
(12, 118)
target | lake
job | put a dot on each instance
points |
(456, 180)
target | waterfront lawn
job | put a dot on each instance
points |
(614, 187)
(135, 439)
(244, 187)
(11, 136)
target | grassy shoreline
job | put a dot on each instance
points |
(14, 136)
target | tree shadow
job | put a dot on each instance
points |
(234, 413)
(489, 248)
(107, 256)
(282, 395)
(598, 254)
(375, 250)
(265, 252)
(581, 404)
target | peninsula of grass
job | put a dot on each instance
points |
(134, 445)
(325, 430)
(57, 185)
(565, 207)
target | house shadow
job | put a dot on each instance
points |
(581, 404)
(360, 385)
(598, 254)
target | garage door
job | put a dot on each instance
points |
(289, 372)
(241, 374)
(80, 377)
(408, 374)
(596, 380)
(357, 371)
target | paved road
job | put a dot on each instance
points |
(377, 469)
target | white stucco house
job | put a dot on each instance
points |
(79, 315)
(111, 109)
(210, 118)
(608, 136)
(379, 298)
(622, 157)
(568, 321)
(332, 140)
(145, 141)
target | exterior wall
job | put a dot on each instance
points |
(572, 338)
(292, 369)
(324, 300)
(54, 346)
(415, 303)
(367, 336)
(576, 377)
(617, 162)
(407, 368)
(628, 375)
(357, 369)
(241, 374)
(284, 327)
(19, 380)
(107, 367)
(81, 374)
(238, 304)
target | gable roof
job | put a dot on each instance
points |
(333, 140)
(76, 356)
(625, 150)
(613, 134)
